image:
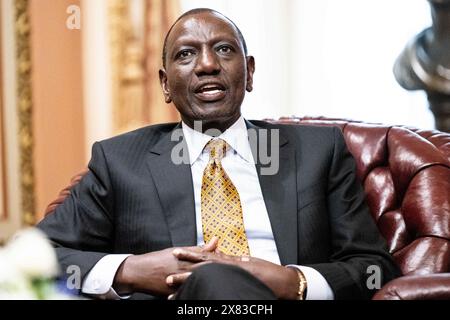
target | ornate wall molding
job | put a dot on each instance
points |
(127, 68)
(25, 109)
(3, 176)
(160, 15)
(137, 29)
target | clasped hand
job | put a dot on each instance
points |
(163, 272)
(282, 281)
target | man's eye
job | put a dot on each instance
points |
(224, 49)
(184, 53)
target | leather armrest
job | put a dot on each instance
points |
(416, 287)
(65, 192)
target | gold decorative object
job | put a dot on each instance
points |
(127, 55)
(136, 48)
(159, 17)
(24, 109)
(3, 186)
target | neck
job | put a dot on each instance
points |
(211, 127)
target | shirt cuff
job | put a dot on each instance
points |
(318, 288)
(98, 282)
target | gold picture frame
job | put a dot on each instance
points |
(16, 138)
(3, 177)
(24, 105)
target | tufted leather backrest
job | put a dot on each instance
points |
(406, 176)
(405, 173)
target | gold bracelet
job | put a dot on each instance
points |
(302, 285)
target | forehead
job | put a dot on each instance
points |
(202, 27)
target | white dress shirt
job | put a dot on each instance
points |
(240, 167)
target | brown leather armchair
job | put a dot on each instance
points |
(406, 175)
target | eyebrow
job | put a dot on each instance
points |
(189, 41)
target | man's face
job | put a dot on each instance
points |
(206, 72)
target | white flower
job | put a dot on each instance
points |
(31, 254)
(28, 267)
(13, 284)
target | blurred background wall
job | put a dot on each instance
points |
(57, 86)
(329, 57)
(92, 70)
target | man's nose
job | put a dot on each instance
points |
(207, 63)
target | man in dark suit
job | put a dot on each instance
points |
(138, 220)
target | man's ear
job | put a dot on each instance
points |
(250, 72)
(164, 85)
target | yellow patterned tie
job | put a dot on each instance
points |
(221, 205)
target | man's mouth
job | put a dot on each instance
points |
(210, 92)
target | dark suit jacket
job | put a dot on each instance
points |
(136, 200)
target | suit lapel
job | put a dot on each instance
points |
(174, 186)
(174, 181)
(280, 194)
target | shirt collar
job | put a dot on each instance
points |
(236, 136)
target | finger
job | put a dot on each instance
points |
(175, 280)
(196, 248)
(192, 256)
(223, 256)
(178, 252)
(211, 245)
